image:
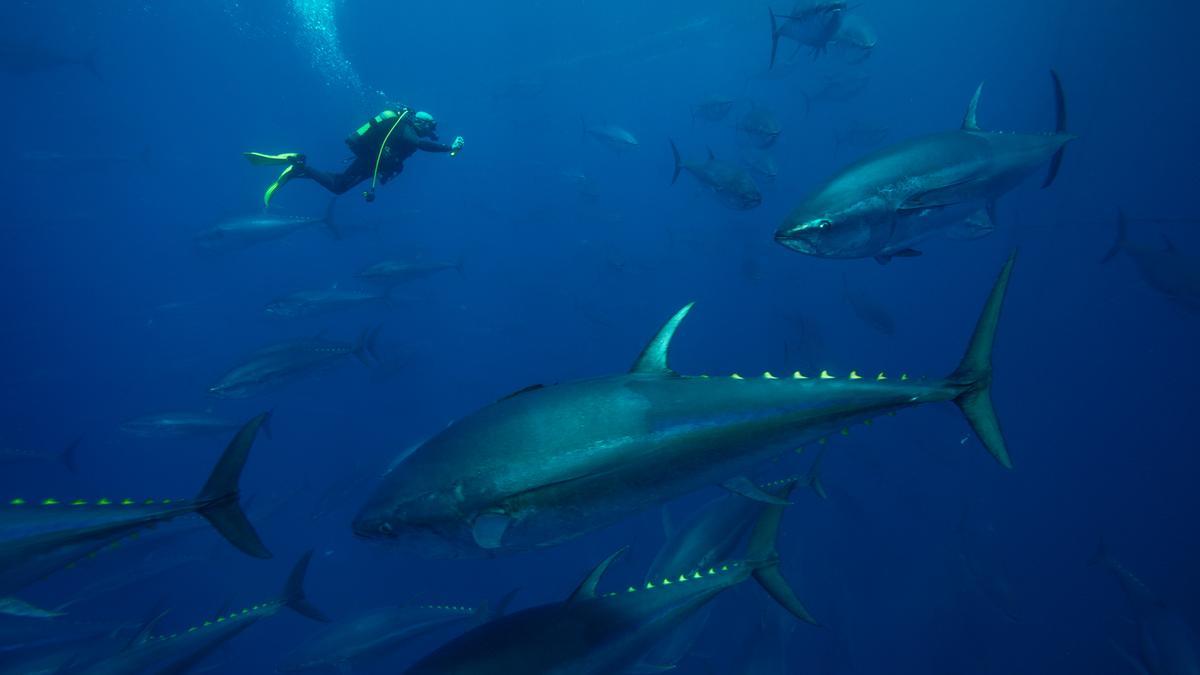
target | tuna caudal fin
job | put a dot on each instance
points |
(1060, 127)
(974, 373)
(653, 359)
(218, 499)
(762, 555)
(1122, 237)
(678, 162)
(293, 592)
(368, 343)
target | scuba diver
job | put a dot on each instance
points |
(380, 147)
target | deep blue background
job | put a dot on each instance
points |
(1094, 372)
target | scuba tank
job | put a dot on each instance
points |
(366, 139)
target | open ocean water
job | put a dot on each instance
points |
(152, 306)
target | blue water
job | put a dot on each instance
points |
(109, 313)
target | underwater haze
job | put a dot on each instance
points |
(399, 410)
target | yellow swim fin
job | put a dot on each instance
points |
(263, 159)
(279, 182)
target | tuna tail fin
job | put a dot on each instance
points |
(1120, 241)
(219, 498)
(328, 220)
(1060, 127)
(293, 592)
(762, 555)
(678, 162)
(67, 456)
(368, 342)
(774, 38)
(974, 372)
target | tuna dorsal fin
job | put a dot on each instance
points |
(969, 122)
(587, 588)
(653, 359)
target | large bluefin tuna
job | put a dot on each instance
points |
(284, 362)
(945, 183)
(245, 231)
(1167, 644)
(550, 463)
(1165, 269)
(593, 633)
(40, 537)
(181, 651)
(731, 184)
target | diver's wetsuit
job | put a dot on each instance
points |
(402, 144)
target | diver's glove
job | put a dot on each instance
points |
(456, 145)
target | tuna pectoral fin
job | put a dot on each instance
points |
(293, 592)
(1060, 127)
(774, 38)
(366, 350)
(746, 488)
(975, 226)
(644, 668)
(488, 529)
(762, 555)
(974, 373)
(885, 258)
(219, 497)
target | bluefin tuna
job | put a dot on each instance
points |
(181, 651)
(66, 456)
(1167, 644)
(812, 23)
(315, 303)
(594, 633)
(284, 362)
(549, 463)
(40, 537)
(712, 109)
(730, 183)
(377, 633)
(713, 534)
(183, 424)
(1165, 269)
(612, 136)
(389, 273)
(884, 204)
(760, 126)
(245, 231)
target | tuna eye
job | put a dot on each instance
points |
(824, 224)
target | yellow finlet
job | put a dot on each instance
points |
(649, 585)
(822, 440)
(903, 376)
(49, 501)
(78, 502)
(799, 450)
(868, 422)
(724, 568)
(103, 501)
(880, 377)
(696, 575)
(711, 571)
(735, 376)
(666, 582)
(631, 589)
(825, 375)
(854, 375)
(845, 431)
(798, 376)
(768, 376)
(17, 502)
(683, 577)
(126, 502)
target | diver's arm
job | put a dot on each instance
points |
(411, 138)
